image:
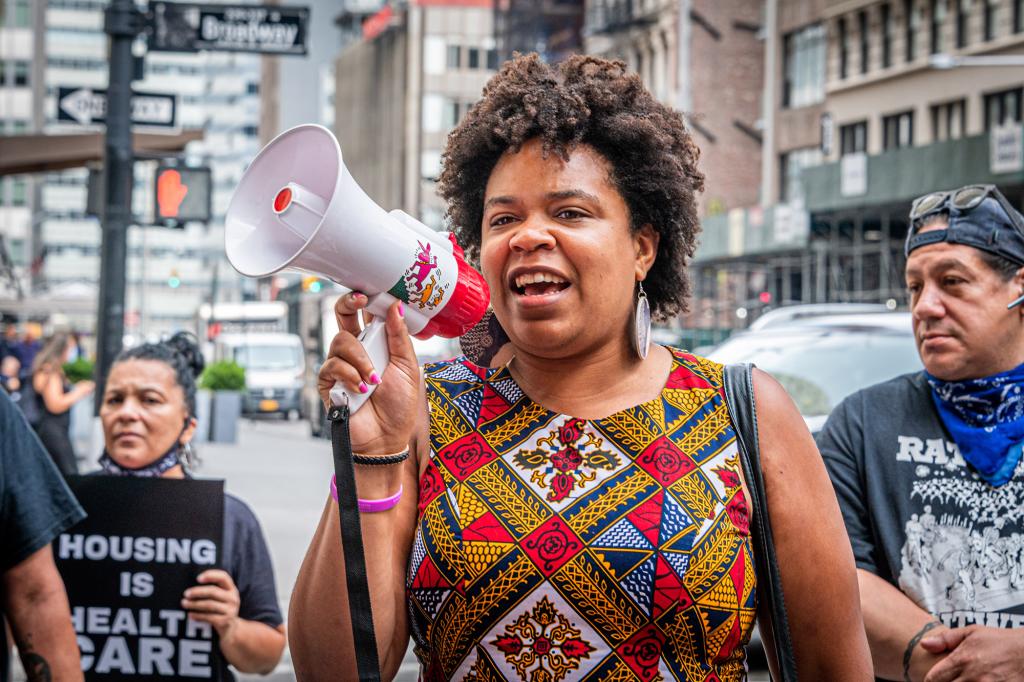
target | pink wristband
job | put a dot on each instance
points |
(369, 506)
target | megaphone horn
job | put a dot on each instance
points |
(297, 207)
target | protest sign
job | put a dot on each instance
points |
(125, 568)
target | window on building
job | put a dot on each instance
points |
(252, 88)
(962, 14)
(473, 57)
(865, 41)
(3, 73)
(1003, 107)
(949, 120)
(853, 138)
(898, 130)
(492, 60)
(792, 163)
(844, 48)
(251, 131)
(20, 77)
(1018, 16)
(911, 23)
(18, 14)
(938, 22)
(804, 66)
(19, 195)
(886, 21)
(430, 164)
(454, 60)
(990, 8)
(450, 113)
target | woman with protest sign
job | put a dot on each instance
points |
(148, 415)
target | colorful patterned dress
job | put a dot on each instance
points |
(551, 548)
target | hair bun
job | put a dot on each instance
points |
(184, 344)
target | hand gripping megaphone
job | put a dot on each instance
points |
(297, 207)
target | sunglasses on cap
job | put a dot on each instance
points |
(963, 200)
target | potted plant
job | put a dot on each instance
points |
(227, 380)
(81, 416)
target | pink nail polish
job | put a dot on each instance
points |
(363, 388)
(401, 310)
(374, 379)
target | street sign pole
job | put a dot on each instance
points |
(123, 22)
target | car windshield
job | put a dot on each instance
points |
(267, 356)
(820, 367)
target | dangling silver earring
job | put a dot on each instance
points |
(642, 324)
(188, 456)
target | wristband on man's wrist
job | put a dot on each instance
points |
(912, 644)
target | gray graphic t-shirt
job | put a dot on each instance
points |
(918, 515)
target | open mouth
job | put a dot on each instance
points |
(538, 284)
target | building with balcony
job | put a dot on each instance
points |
(862, 123)
(402, 88)
(704, 58)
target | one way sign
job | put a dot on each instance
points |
(88, 105)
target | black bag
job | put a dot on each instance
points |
(739, 397)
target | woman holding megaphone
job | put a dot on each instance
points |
(577, 508)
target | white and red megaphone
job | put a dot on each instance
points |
(297, 207)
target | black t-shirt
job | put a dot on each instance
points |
(35, 502)
(918, 515)
(247, 560)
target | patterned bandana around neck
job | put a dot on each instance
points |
(986, 419)
(159, 467)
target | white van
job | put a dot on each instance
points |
(275, 369)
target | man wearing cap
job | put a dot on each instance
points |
(927, 467)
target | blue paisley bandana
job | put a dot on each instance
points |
(986, 419)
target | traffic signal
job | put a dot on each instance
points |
(312, 284)
(174, 281)
(182, 194)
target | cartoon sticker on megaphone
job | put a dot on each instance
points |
(298, 208)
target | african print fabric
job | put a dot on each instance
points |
(550, 548)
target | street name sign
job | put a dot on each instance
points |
(89, 105)
(189, 27)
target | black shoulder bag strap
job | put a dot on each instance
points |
(739, 397)
(363, 637)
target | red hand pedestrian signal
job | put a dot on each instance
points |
(170, 192)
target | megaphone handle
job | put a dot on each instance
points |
(374, 338)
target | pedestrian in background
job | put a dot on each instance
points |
(148, 417)
(56, 395)
(927, 466)
(578, 512)
(36, 507)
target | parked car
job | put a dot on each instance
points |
(821, 359)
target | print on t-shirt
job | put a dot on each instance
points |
(963, 558)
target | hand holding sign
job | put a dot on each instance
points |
(214, 601)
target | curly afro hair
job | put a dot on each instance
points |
(596, 102)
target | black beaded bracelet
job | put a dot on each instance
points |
(383, 460)
(912, 644)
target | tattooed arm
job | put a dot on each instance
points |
(36, 604)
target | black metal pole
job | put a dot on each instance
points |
(123, 22)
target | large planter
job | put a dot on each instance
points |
(227, 410)
(204, 407)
